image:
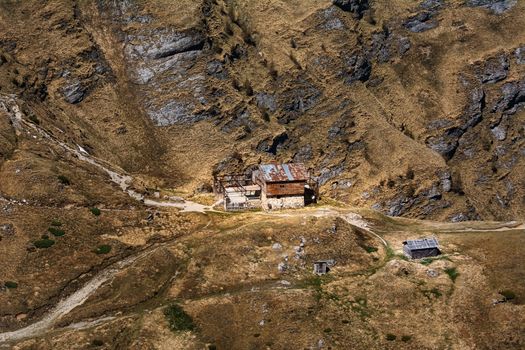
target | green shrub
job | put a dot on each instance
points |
(178, 319)
(64, 180)
(10, 284)
(56, 231)
(508, 294)
(103, 249)
(390, 337)
(95, 211)
(406, 338)
(452, 273)
(56, 223)
(328, 330)
(44, 243)
(426, 261)
(434, 291)
(370, 249)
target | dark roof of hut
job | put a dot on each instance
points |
(423, 243)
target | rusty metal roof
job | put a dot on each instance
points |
(284, 172)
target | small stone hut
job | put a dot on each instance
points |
(421, 248)
(282, 185)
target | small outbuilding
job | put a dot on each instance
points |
(421, 248)
(322, 267)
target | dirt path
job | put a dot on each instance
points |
(70, 302)
(351, 218)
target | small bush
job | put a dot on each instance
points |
(328, 330)
(64, 180)
(390, 337)
(33, 118)
(95, 211)
(56, 223)
(406, 338)
(10, 284)
(44, 243)
(178, 319)
(370, 249)
(508, 295)
(103, 249)
(248, 87)
(97, 342)
(452, 273)
(56, 231)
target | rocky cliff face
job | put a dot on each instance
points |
(413, 108)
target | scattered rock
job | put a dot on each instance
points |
(403, 45)
(266, 101)
(240, 118)
(421, 22)
(431, 4)
(74, 92)
(496, 6)
(277, 246)
(329, 173)
(275, 146)
(356, 7)
(298, 100)
(512, 97)
(432, 273)
(167, 42)
(216, 69)
(434, 193)
(330, 19)
(7, 230)
(174, 112)
(446, 181)
(499, 132)
(305, 153)
(398, 205)
(520, 55)
(445, 145)
(358, 68)
(459, 218)
(282, 267)
(495, 69)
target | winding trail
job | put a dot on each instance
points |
(67, 304)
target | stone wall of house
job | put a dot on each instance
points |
(287, 202)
